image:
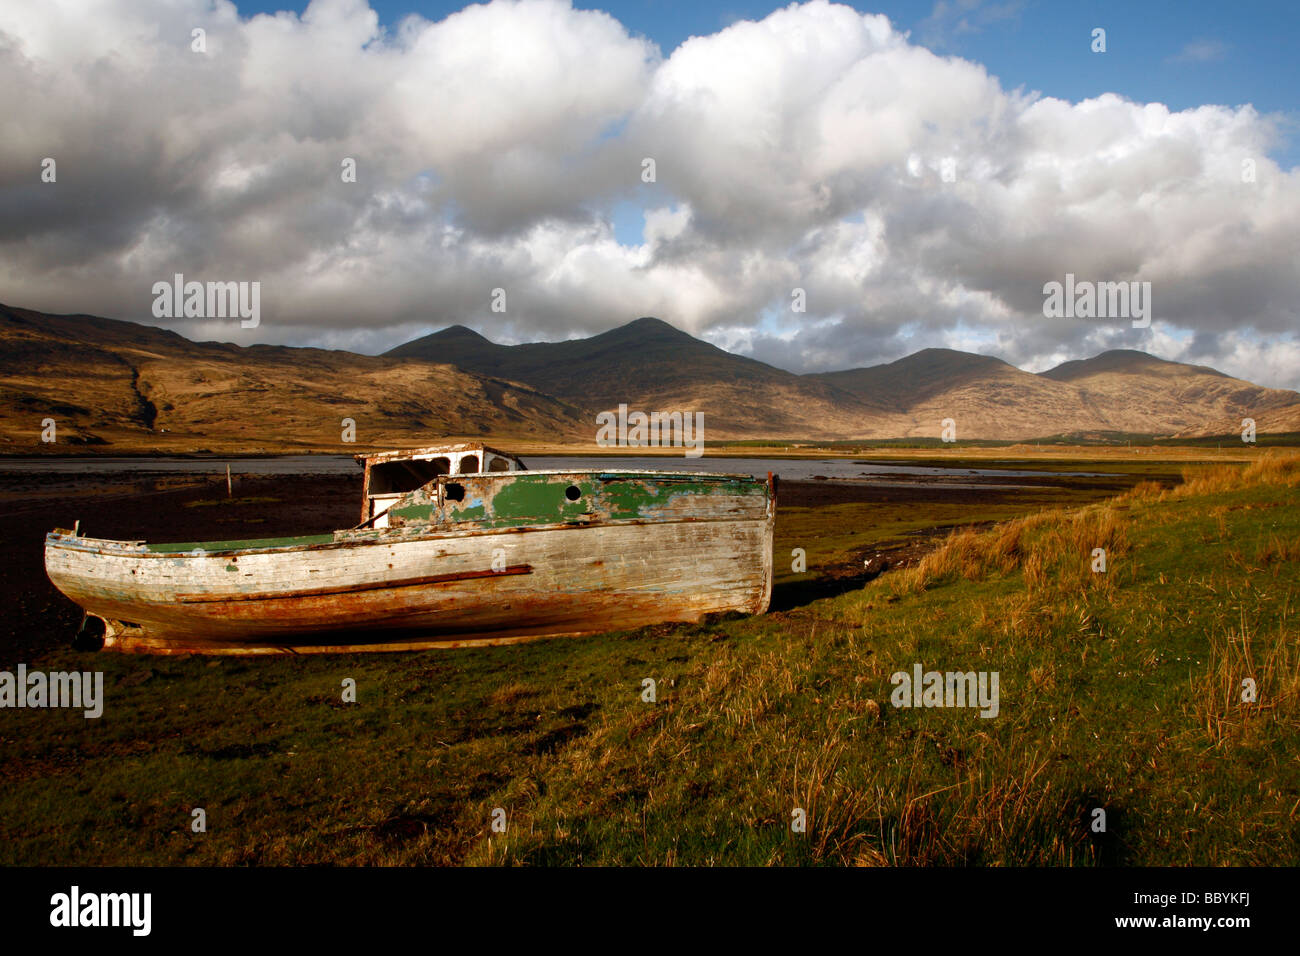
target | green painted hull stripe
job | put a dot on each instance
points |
(252, 543)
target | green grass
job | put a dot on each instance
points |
(1118, 691)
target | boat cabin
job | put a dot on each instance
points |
(392, 474)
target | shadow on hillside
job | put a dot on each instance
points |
(788, 595)
(839, 580)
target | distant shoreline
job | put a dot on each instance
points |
(941, 455)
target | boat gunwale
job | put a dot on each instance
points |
(395, 536)
(602, 473)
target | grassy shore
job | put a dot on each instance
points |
(1119, 691)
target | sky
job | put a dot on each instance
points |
(819, 186)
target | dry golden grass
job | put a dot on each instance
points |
(510, 694)
(1054, 549)
(1251, 680)
(1274, 467)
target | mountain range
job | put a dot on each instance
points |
(125, 387)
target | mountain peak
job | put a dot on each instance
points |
(1120, 358)
(650, 326)
(1123, 361)
(940, 363)
(647, 332)
(954, 355)
(457, 338)
(459, 333)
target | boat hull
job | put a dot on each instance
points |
(400, 592)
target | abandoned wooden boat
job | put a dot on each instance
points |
(457, 545)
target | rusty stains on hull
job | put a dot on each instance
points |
(353, 588)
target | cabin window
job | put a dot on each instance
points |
(468, 465)
(399, 477)
(573, 492)
(497, 463)
(455, 492)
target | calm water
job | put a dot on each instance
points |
(283, 465)
(788, 468)
(791, 469)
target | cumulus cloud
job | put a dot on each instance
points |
(914, 200)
